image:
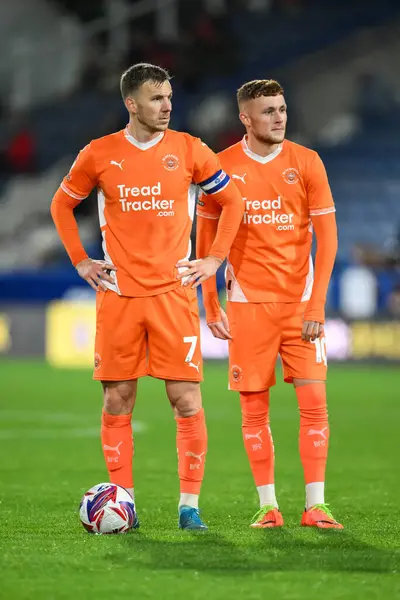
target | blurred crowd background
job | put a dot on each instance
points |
(59, 88)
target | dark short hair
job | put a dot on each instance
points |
(257, 88)
(135, 76)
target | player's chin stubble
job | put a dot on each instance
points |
(270, 138)
(162, 125)
(153, 126)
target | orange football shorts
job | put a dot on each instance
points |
(262, 331)
(156, 335)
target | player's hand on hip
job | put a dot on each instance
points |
(197, 271)
(220, 329)
(95, 272)
(311, 331)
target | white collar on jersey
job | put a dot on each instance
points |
(261, 159)
(143, 145)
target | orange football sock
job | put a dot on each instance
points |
(117, 442)
(257, 436)
(191, 443)
(314, 431)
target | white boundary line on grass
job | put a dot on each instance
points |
(48, 432)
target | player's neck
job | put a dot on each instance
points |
(260, 148)
(140, 133)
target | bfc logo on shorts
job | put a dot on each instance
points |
(237, 373)
(151, 203)
(97, 361)
(268, 212)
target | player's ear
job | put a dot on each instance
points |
(130, 104)
(244, 118)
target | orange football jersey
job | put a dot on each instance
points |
(270, 259)
(146, 201)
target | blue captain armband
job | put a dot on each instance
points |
(216, 183)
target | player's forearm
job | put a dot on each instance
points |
(205, 235)
(62, 211)
(327, 243)
(228, 224)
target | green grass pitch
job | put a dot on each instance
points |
(50, 454)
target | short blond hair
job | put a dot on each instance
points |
(257, 88)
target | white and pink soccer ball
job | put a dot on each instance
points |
(107, 508)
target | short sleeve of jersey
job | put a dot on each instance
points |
(207, 171)
(320, 200)
(82, 176)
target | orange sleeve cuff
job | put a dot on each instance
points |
(62, 211)
(228, 224)
(211, 300)
(206, 232)
(327, 243)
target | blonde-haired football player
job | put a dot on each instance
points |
(276, 300)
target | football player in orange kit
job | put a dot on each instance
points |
(147, 321)
(275, 301)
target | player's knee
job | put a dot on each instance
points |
(317, 414)
(119, 397)
(254, 419)
(185, 397)
(188, 404)
(255, 408)
(312, 402)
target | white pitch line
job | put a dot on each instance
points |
(61, 433)
(41, 416)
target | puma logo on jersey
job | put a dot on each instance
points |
(117, 164)
(197, 367)
(241, 177)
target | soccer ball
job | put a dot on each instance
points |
(107, 508)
